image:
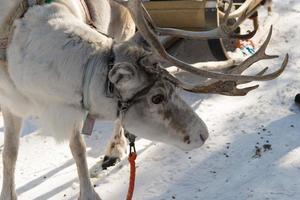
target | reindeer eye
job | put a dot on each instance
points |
(157, 99)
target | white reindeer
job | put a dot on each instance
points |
(50, 57)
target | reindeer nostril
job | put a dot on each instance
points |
(203, 138)
(186, 139)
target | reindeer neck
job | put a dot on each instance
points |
(98, 97)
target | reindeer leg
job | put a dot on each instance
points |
(12, 125)
(78, 150)
(117, 147)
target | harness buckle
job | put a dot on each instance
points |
(131, 138)
(123, 106)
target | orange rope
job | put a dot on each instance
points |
(241, 43)
(131, 159)
(247, 46)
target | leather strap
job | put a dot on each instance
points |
(89, 20)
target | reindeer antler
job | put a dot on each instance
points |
(222, 83)
(247, 6)
(230, 87)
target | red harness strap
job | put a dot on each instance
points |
(131, 159)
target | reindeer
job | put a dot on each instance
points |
(58, 68)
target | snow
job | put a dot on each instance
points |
(225, 168)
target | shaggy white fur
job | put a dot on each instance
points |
(45, 79)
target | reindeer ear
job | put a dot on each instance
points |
(121, 74)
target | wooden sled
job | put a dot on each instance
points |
(194, 15)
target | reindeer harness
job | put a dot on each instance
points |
(111, 92)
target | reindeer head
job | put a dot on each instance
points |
(153, 108)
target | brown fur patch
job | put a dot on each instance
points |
(167, 114)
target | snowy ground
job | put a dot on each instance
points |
(226, 168)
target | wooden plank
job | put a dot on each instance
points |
(182, 14)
